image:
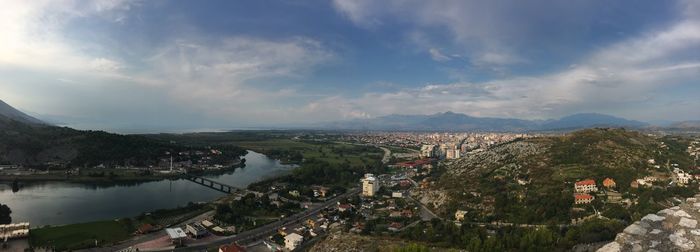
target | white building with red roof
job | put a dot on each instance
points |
(585, 186)
(582, 199)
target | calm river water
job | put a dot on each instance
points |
(56, 203)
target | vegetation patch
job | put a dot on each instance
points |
(83, 235)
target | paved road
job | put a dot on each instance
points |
(425, 213)
(243, 237)
(147, 237)
(269, 229)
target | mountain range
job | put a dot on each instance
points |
(450, 121)
(447, 121)
(686, 125)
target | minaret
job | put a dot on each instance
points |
(171, 163)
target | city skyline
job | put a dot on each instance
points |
(164, 65)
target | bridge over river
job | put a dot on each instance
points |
(218, 186)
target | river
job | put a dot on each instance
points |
(57, 203)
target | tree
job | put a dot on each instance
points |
(5, 214)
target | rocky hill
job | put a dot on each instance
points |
(338, 241)
(672, 229)
(531, 181)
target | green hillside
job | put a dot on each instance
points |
(532, 181)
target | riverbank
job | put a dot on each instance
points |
(111, 232)
(102, 175)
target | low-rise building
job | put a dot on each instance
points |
(395, 226)
(585, 186)
(683, 177)
(292, 241)
(176, 235)
(459, 215)
(582, 199)
(609, 183)
(196, 230)
(646, 181)
(344, 207)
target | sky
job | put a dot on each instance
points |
(125, 65)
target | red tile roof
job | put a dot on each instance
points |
(585, 182)
(583, 197)
(608, 182)
(395, 225)
(231, 248)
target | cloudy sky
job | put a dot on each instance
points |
(122, 64)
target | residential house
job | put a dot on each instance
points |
(292, 241)
(609, 183)
(585, 186)
(320, 191)
(459, 215)
(395, 226)
(196, 230)
(344, 207)
(311, 223)
(582, 199)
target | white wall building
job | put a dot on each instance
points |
(427, 151)
(292, 241)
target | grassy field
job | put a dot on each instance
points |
(81, 235)
(333, 153)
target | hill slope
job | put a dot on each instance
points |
(692, 125)
(8, 113)
(29, 142)
(531, 181)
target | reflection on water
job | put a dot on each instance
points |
(55, 203)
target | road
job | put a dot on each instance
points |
(425, 213)
(269, 229)
(243, 237)
(147, 237)
(387, 155)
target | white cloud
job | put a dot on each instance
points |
(214, 75)
(496, 58)
(33, 37)
(619, 77)
(105, 65)
(436, 55)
